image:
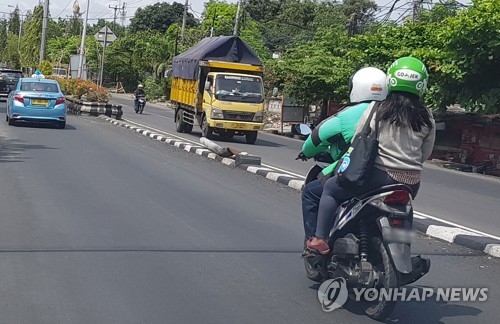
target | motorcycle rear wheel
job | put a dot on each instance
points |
(380, 258)
(312, 273)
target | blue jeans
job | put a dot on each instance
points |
(334, 195)
(310, 203)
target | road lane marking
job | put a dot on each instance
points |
(457, 225)
(284, 171)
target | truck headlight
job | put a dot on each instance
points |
(216, 113)
(259, 116)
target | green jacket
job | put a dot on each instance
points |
(334, 134)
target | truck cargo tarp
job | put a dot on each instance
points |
(223, 48)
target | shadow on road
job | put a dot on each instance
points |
(42, 125)
(10, 149)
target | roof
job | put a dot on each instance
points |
(39, 80)
(10, 70)
(223, 48)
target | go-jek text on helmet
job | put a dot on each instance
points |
(368, 84)
(407, 74)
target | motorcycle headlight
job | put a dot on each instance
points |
(216, 113)
(259, 116)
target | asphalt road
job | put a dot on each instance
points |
(101, 225)
(468, 200)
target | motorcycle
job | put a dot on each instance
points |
(370, 244)
(141, 102)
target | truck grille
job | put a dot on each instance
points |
(238, 115)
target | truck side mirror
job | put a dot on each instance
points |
(207, 86)
(275, 92)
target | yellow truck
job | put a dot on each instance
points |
(217, 84)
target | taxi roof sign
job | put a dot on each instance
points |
(38, 75)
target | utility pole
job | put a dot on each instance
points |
(416, 10)
(123, 12)
(82, 46)
(236, 21)
(213, 22)
(184, 17)
(44, 30)
(115, 8)
(101, 74)
(352, 26)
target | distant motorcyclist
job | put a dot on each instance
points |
(334, 135)
(139, 92)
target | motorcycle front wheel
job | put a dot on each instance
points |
(381, 260)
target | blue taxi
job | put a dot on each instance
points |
(38, 100)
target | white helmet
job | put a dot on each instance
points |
(140, 86)
(368, 84)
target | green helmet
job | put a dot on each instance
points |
(407, 74)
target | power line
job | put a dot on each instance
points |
(63, 9)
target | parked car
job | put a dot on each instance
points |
(8, 81)
(37, 100)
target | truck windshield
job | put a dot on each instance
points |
(239, 88)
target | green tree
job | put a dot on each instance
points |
(14, 22)
(3, 38)
(117, 29)
(221, 17)
(160, 16)
(45, 68)
(11, 53)
(31, 40)
(473, 63)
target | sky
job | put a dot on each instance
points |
(100, 8)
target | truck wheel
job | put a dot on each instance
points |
(251, 137)
(206, 130)
(188, 128)
(180, 125)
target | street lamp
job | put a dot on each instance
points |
(20, 26)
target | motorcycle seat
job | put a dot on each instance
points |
(384, 189)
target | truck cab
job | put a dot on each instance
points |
(233, 104)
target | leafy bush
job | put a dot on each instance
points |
(80, 88)
(153, 89)
(46, 68)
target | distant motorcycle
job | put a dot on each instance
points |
(141, 102)
(370, 243)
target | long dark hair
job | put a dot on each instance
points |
(404, 109)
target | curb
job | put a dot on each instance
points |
(188, 147)
(428, 226)
(77, 107)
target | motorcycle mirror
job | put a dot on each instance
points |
(303, 129)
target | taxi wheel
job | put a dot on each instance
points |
(11, 122)
(61, 125)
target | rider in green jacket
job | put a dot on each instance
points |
(335, 134)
